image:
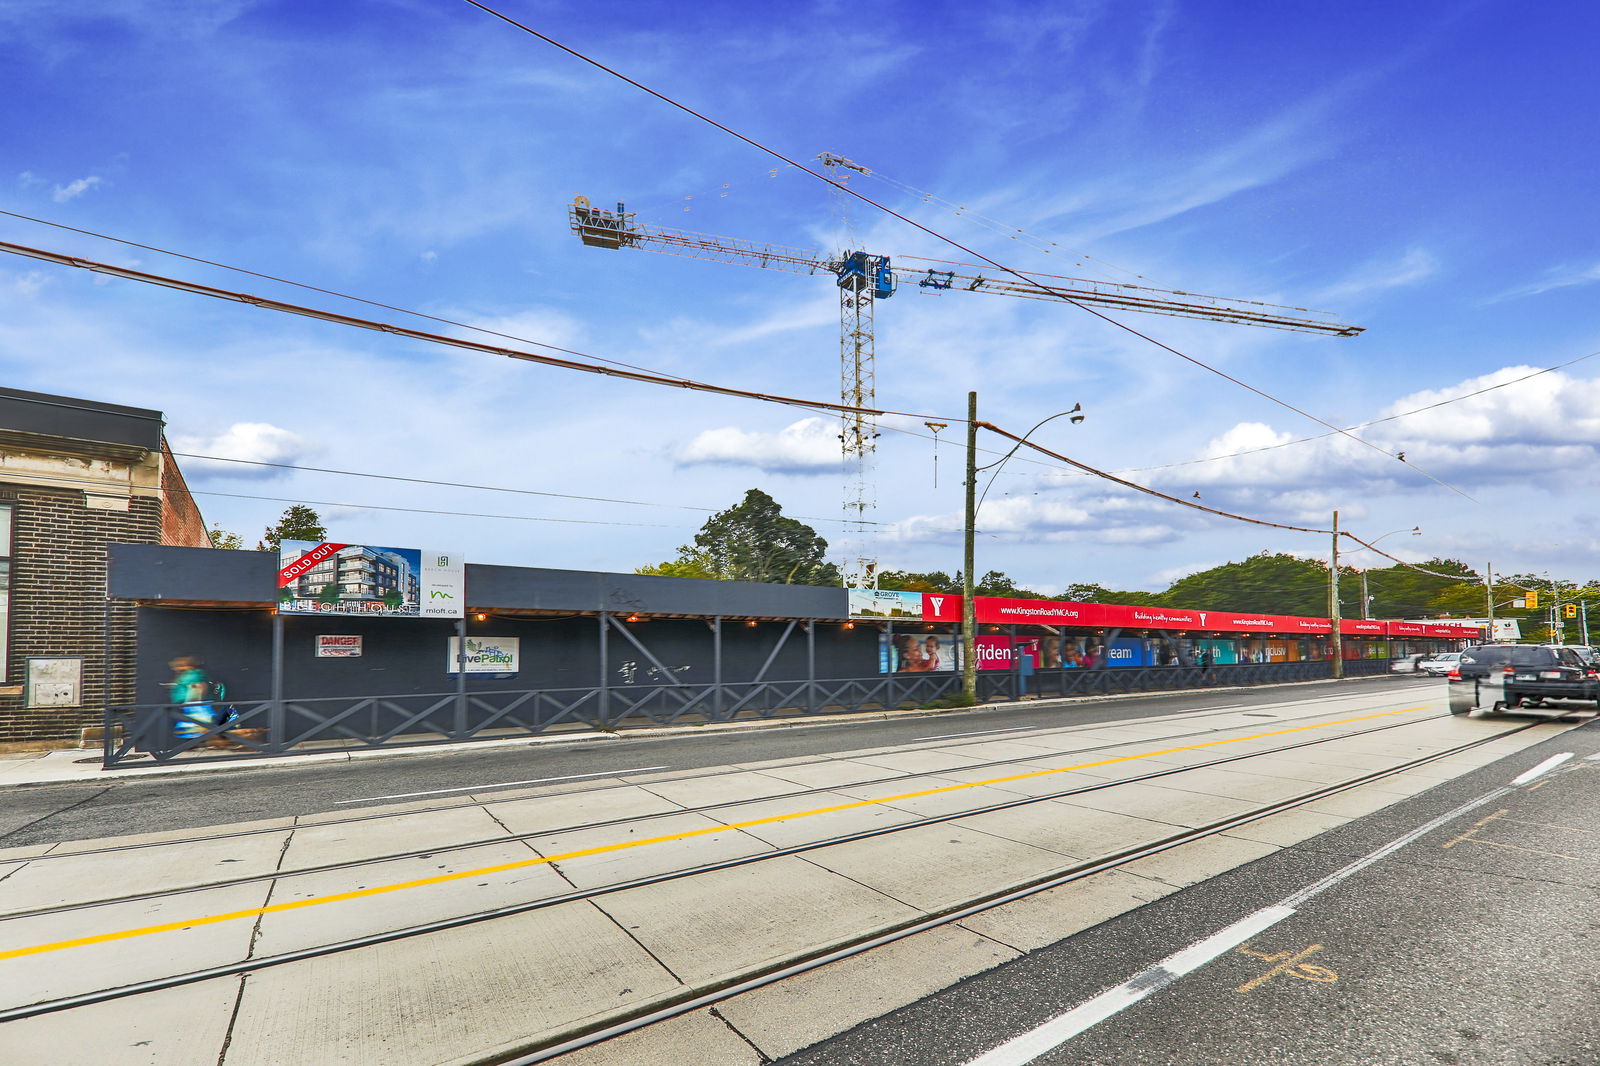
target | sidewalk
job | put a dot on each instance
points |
(65, 766)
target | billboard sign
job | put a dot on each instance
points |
(359, 579)
(885, 603)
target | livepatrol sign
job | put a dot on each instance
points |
(361, 579)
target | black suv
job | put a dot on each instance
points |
(1533, 672)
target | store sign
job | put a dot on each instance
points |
(486, 655)
(361, 579)
(337, 646)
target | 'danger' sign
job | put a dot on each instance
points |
(361, 579)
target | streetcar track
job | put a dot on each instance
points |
(691, 997)
(426, 853)
(911, 747)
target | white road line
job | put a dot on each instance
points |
(1543, 768)
(1059, 1030)
(982, 733)
(509, 784)
(1091, 1012)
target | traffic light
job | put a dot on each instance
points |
(1533, 600)
(1572, 610)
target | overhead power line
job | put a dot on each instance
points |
(951, 241)
(654, 379)
(470, 485)
(199, 289)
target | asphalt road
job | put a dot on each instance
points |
(1475, 944)
(42, 814)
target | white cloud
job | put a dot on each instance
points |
(1415, 265)
(251, 442)
(1543, 431)
(809, 446)
(1562, 277)
(72, 190)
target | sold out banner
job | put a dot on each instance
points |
(376, 581)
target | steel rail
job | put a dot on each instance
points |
(720, 991)
(517, 838)
(689, 776)
(690, 1000)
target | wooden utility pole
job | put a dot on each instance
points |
(969, 609)
(1333, 603)
(1488, 599)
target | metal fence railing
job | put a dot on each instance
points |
(301, 726)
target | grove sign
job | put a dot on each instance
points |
(374, 581)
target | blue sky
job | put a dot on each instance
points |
(1423, 170)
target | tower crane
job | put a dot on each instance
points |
(864, 278)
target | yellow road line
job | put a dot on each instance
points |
(278, 908)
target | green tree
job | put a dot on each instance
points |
(1401, 592)
(298, 522)
(1090, 592)
(692, 564)
(329, 593)
(753, 541)
(1272, 583)
(221, 538)
(996, 583)
(911, 581)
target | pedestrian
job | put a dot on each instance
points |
(192, 690)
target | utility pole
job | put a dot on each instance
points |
(1366, 601)
(969, 608)
(1488, 598)
(1333, 603)
(1558, 628)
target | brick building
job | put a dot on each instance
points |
(75, 475)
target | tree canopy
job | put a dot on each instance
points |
(297, 522)
(753, 541)
(221, 538)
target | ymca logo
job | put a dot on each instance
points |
(938, 603)
(1202, 617)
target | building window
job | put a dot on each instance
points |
(5, 588)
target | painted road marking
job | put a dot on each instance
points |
(506, 784)
(981, 733)
(604, 849)
(1513, 847)
(1543, 768)
(1288, 963)
(1059, 1030)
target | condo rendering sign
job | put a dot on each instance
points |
(362, 579)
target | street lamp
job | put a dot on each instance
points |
(1366, 601)
(969, 610)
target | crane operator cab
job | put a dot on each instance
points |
(858, 271)
(598, 228)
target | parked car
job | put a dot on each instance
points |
(1532, 673)
(1441, 664)
(1411, 664)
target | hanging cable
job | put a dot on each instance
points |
(949, 240)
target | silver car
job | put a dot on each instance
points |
(1440, 665)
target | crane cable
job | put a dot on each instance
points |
(952, 241)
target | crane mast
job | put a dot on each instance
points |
(863, 279)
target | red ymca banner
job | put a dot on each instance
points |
(995, 610)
